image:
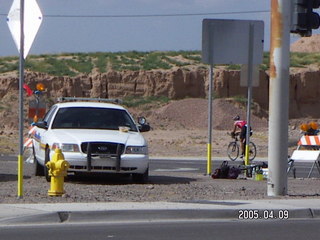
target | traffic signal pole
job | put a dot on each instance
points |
(279, 97)
(304, 19)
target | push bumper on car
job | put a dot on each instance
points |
(125, 163)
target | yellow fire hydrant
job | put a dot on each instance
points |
(57, 167)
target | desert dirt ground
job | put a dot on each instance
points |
(179, 129)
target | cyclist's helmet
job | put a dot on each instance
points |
(236, 118)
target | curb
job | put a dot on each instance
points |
(114, 216)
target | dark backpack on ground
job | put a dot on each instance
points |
(222, 171)
(216, 173)
(234, 173)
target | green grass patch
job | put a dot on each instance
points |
(2, 107)
(72, 64)
(304, 59)
(101, 63)
(58, 67)
(135, 101)
(234, 67)
(82, 64)
(9, 64)
(154, 61)
(240, 99)
(175, 62)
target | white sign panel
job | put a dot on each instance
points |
(32, 22)
(227, 41)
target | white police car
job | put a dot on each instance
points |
(94, 137)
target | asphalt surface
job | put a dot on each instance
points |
(300, 169)
(34, 214)
(159, 230)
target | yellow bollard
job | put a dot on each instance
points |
(57, 170)
(247, 151)
(209, 161)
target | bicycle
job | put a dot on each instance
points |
(234, 148)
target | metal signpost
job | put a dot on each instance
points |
(211, 75)
(21, 17)
(255, 75)
(230, 42)
(249, 98)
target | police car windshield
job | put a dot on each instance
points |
(92, 118)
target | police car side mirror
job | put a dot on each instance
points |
(144, 128)
(142, 120)
(143, 125)
(41, 124)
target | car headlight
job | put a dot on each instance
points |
(66, 147)
(136, 150)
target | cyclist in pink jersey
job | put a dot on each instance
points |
(242, 125)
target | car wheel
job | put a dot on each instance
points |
(38, 169)
(141, 178)
(46, 170)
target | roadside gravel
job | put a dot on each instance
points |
(162, 186)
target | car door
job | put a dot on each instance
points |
(41, 132)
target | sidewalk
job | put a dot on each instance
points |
(150, 211)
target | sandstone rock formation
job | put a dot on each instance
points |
(175, 84)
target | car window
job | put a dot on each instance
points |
(48, 117)
(92, 118)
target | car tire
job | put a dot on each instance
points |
(38, 169)
(141, 178)
(45, 169)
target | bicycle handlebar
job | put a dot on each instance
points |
(234, 135)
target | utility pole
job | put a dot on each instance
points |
(279, 97)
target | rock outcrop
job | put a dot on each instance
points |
(175, 84)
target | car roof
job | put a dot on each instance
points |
(89, 104)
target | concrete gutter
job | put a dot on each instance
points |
(33, 214)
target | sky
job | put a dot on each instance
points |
(126, 25)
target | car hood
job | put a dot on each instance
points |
(87, 135)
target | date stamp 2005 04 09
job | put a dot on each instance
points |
(253, 214)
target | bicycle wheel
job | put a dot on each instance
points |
(233, 151)
(252, 151)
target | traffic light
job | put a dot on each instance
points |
(303, 17)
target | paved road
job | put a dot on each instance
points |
(196, 165)
(162, 220)
(200, 166)
(160, 230)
